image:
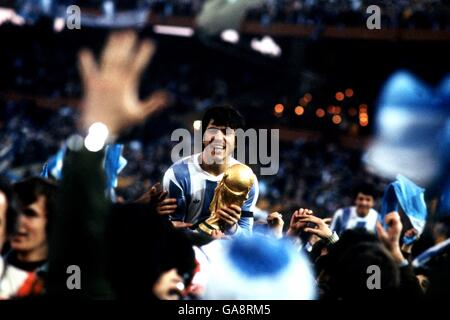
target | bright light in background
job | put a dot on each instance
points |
(330, 109)
(180, 286)
(355, 4)
(299, 110)
(279, 108)
(173, 31)
(334, 109)
(96, 138)
(364, 121)
(59, 24)
(363, 115)
(336, 119)
(109, 9)
(349, 92)
(307, 97)
(266, 46)
(197, 124)
(320, 113)
(339, 96)
(230, 35)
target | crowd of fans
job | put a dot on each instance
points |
(403, 14)
(316, 173)
(419, 14)
(33, 130)
(129, 247)
(422, 14)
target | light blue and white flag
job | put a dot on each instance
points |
(113, 165)
(411, 199)
(422, 260)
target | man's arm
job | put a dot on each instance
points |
(243, 227)
(111, 104)
(111, 86)
(79, 228)
(177, 208)
(334, 226)
(245, 224)
(241, 219)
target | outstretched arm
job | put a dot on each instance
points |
(111, 86)
(110, 98)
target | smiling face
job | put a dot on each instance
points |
(363, 203)
(218, 142)
(30, 237)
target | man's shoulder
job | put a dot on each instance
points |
(339, 211)
(183, 162)
(373, 212)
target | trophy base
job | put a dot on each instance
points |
(206, 228)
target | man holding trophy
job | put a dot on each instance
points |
(211, 192)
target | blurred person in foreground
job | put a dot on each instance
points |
(29, 242)
(125, 251)
(254, 268)
(417, 148)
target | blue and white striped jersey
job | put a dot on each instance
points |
(347, 218)
(194, 190)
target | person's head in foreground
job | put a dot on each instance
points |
(7, 213)
(29, 242)
(358, 266)
(255, 268)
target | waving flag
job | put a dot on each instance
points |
(113, 165)
(411, 199)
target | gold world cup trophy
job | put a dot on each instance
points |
(232, 189)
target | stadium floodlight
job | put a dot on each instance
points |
(266, 46)
(173, 30)
(96, 138)
(230, 35)
(219, 15)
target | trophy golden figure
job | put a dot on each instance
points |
(232, 189)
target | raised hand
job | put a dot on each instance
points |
(111, 86)
(296, 225)
(320, 229)
(391, 236)
(275, 223)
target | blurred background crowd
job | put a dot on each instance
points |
(321, 92)
(309, 68)
(427, 14)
